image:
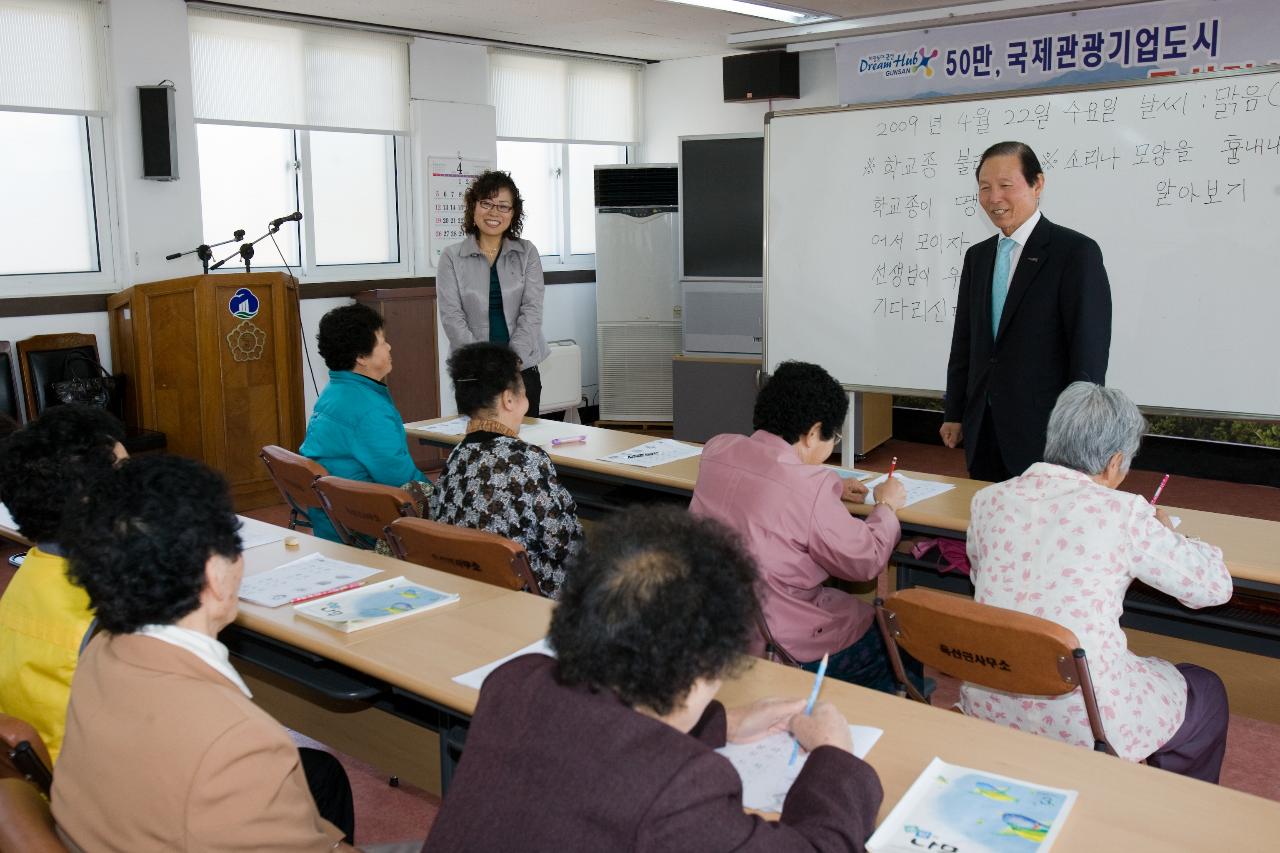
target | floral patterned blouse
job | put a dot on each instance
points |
(501, 484)
(1055, 544)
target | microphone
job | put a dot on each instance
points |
(292, 217)
(238, 234)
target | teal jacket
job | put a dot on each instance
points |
(356, 432)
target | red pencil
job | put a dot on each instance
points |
(316, 595)
(1159, 489)
(892, 465)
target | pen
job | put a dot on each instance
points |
(316, 595)
(1159, 489)
(638, 455)
(892, 467)
(813, 697)
(573, 439)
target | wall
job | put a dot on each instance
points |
(685, 97)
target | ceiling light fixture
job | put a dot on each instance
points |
(772, 11)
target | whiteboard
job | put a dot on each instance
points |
(869, 211)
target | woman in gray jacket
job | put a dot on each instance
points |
(489, 286)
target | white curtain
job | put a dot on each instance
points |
(577, 100)
(257, 71)
(51, 56)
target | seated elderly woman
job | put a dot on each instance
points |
(612, 745)
(772, 488)
(1060, 542)
(165, 750)
(45, 619)
(494, 481)
(355, 430)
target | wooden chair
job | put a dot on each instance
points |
(26, 824)
(41, 360)
(475, 554)
(294, 475)
(23, 754)
(360, 511)
(988, 646)
(773, 650)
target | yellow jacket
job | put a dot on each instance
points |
(43, 621)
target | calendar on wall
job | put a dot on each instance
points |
(447, 182)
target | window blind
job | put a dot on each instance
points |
(257, 71)
(575, 100)
(50, 56)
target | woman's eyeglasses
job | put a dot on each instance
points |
(487, 205)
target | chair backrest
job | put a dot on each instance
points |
(475, 554)
(26, 824)
(362, 509)
(23, 754)
(772, 649)
(294, 475)
(43, 359)
(9, 402)
(989, 646)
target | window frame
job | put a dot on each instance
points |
(101, 152)
(308, 271)
(565, 261)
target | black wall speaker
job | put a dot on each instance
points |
(159, 138)
(760, 76)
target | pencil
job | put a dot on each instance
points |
(892, 467)
(813, 698)
(1160, 488)
(313, 596)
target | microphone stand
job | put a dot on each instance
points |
(205, 252)
(246, 249)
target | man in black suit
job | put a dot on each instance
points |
(1033, 315)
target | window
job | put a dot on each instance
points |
(54, 211)
(557, 120)
(326, 138)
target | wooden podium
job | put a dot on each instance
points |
(215, 363)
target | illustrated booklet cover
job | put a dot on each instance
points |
(374, 604)
(961, 810)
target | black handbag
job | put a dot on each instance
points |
(95, 389)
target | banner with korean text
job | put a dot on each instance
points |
(1156, 39)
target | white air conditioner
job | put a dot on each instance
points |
(637, 290)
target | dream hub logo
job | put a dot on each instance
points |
(898, 64)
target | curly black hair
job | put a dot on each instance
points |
(140, 544)
(796, 397)
(346, 333)
(1028, 162)
(487, 186)
(657, 600)
(51, 461)
(480, 373)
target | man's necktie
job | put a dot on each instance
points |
(1000, 282)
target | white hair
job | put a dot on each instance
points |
(1089, 425)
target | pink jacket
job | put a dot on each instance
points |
(800, 533)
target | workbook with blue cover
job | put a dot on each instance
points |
(374, 605)
(961, 810)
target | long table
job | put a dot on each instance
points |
(407, 667)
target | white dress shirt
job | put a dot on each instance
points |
(1019, 238)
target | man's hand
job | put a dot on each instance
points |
(952, 433)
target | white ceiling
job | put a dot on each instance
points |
(641, 29)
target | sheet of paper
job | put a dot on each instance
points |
(853, 473)
(6, 519)
(950, 807)
(1175, 521)
(307, 575)
(917, 490)
(541, 434)
(766, 775)
(457, 426)
(654, 453)
(476, 677)
(254, 533)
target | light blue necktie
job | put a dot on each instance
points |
(1000, 282)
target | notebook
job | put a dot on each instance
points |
(375, 604)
